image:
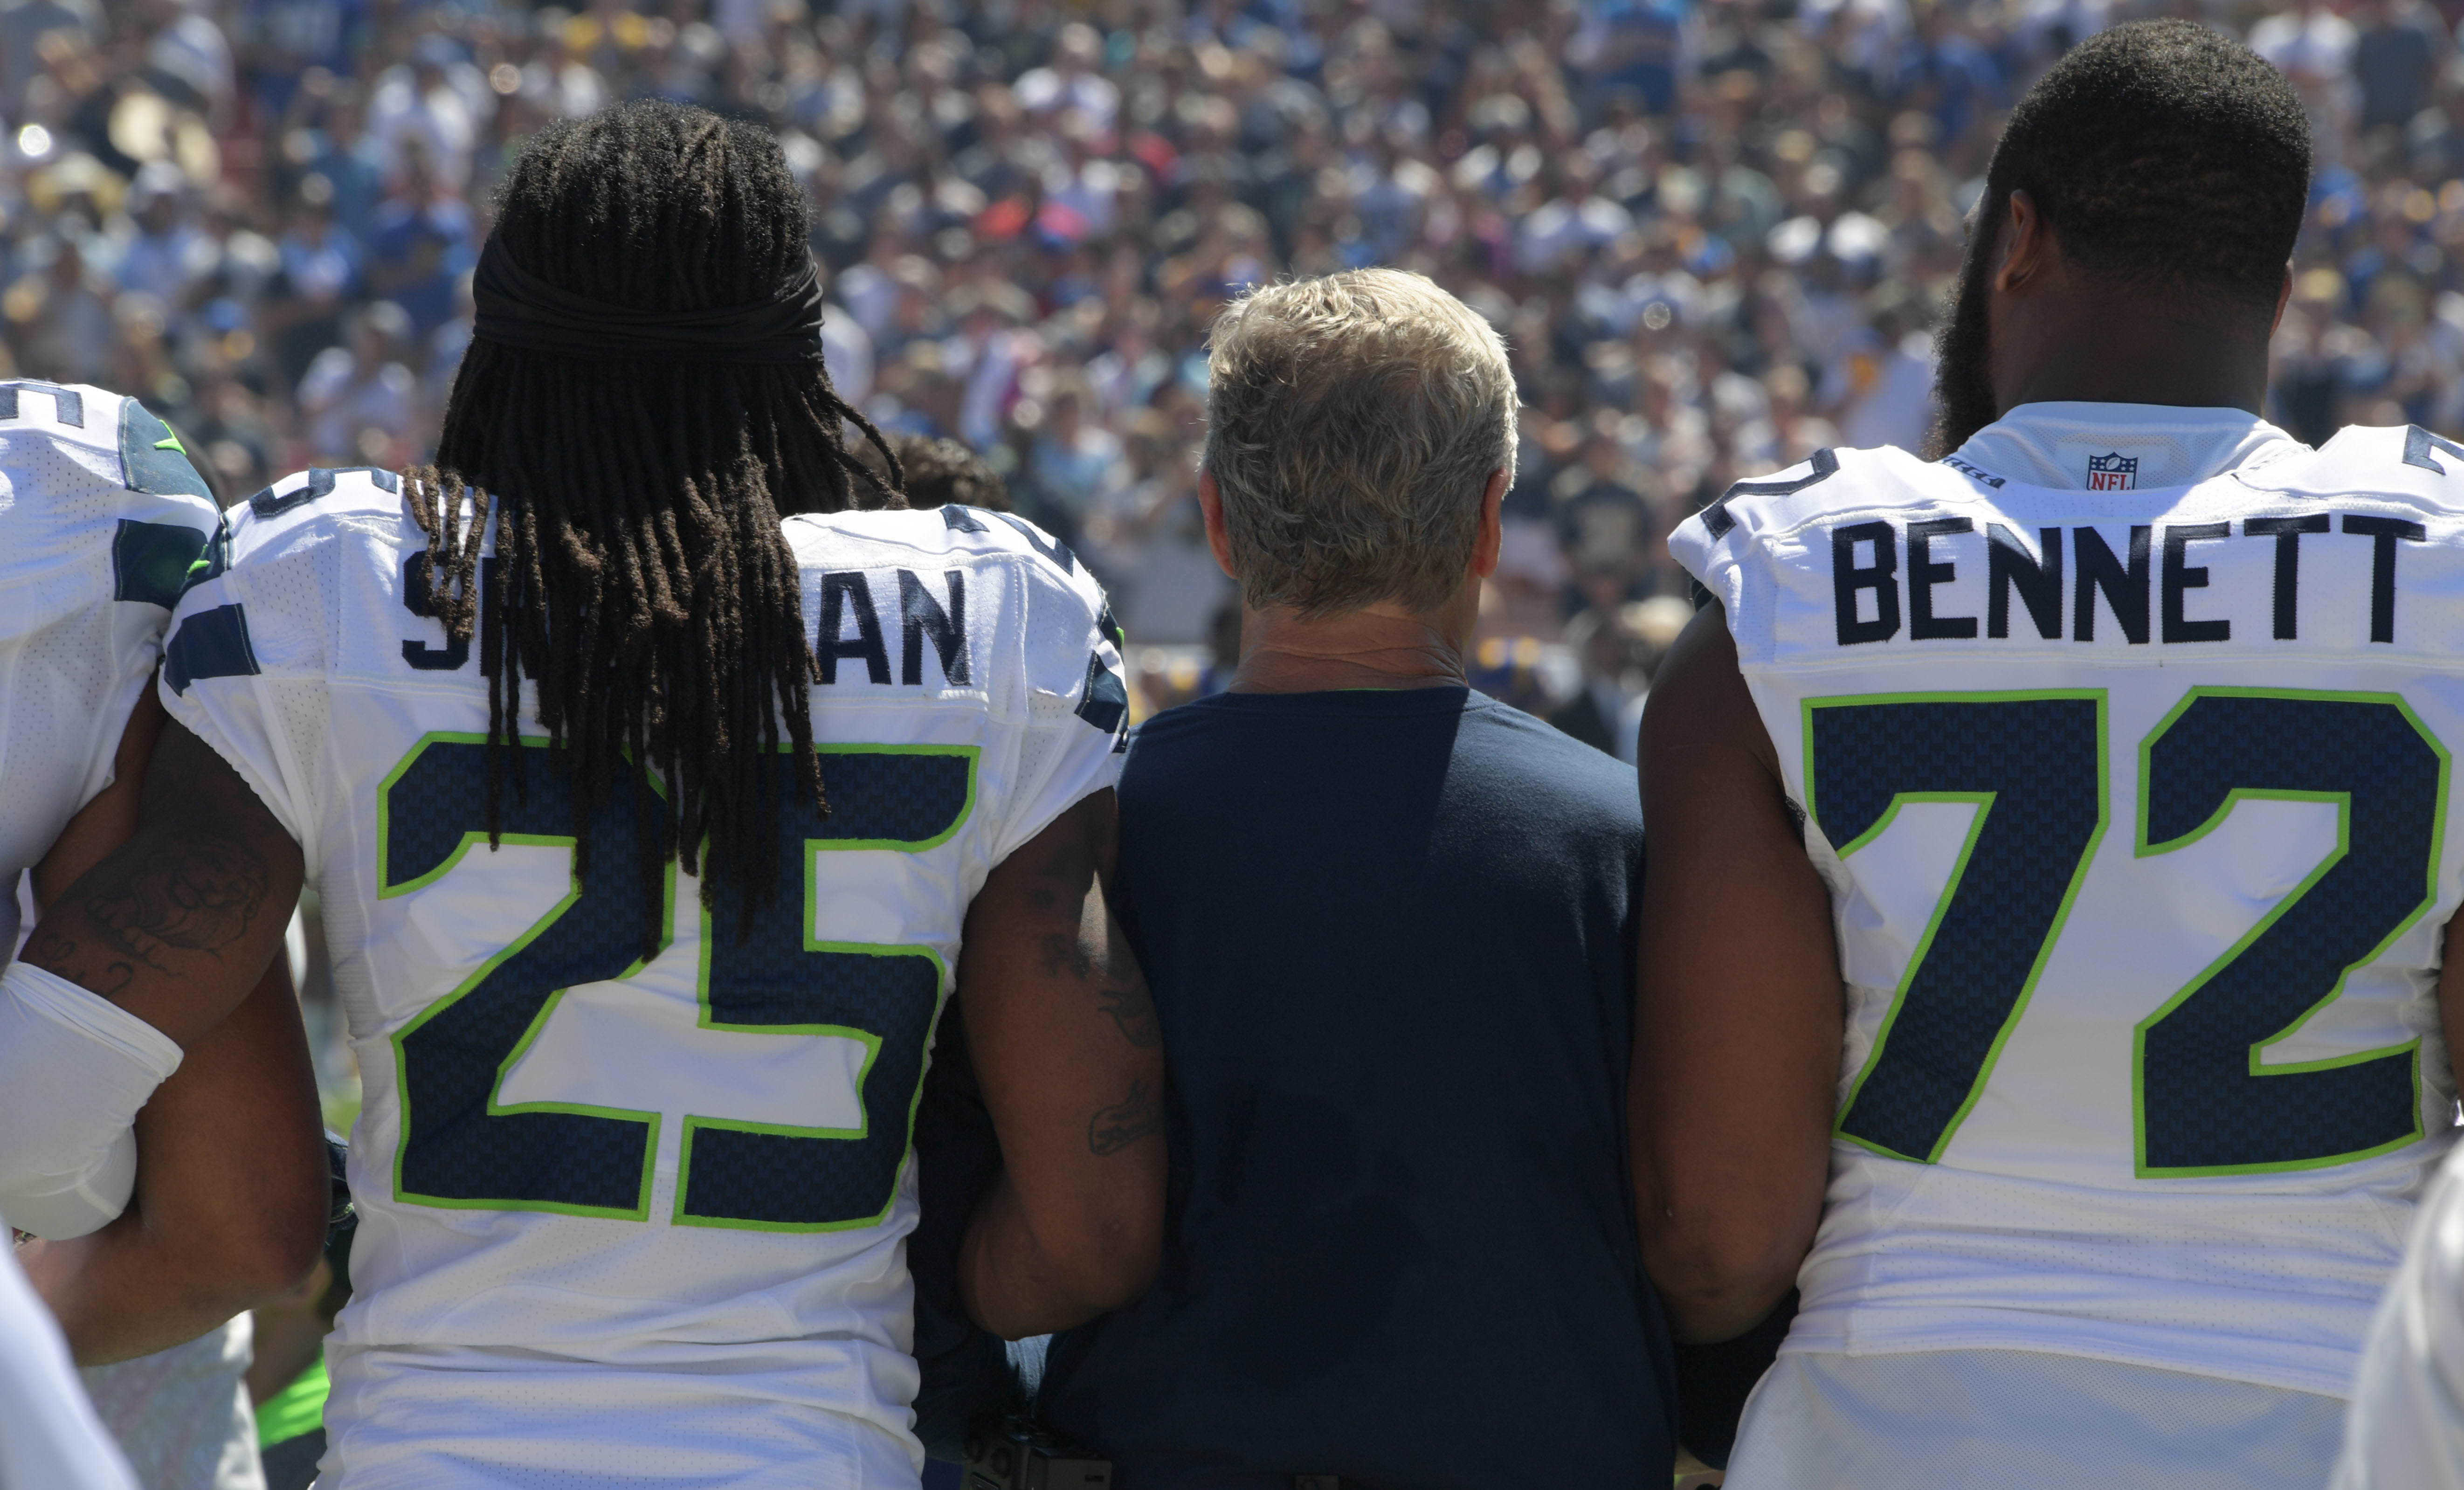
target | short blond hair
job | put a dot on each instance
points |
(1351, 423)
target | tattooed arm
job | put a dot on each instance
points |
(232, 1194)
(230, 1189)
(179, 922)
(1070, 1059)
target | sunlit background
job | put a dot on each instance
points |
(1716, 234)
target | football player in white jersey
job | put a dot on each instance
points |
(101, 524)
(2051, 868)
(101, 517)
(654, 822)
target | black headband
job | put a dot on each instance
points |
(518, 309)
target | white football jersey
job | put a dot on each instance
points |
(627, 1221)
(2133, 804)
(101, 517)
(181, 1415)
(2406, 1431)
(50, 1437)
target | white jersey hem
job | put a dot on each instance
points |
(2329, 1380)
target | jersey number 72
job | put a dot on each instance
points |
(2036, 766)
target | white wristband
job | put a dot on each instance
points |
(99, 1019)
(87, 1202)
(74, 1070)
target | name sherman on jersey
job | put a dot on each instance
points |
(624, 1217)
(2132, 805)
(848, 627)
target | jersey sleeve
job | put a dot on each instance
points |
(168, 519)
(1699, 554)
(1701, 543)
(245, 666)
(101, 517)
(1077, 702)
(98, 504)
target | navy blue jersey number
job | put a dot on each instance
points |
(2035, 767)
(2205, 1105)
(463, 1147)
(775, 976)
(2033, 764)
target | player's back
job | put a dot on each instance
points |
(2132, 800)
(101, 516)
(629, 1220)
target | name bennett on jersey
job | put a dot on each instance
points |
(1872, 587)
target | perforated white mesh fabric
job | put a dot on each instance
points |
(2024, 1420)
(72, 655)
(182, 1415)
(50, 1437)
(1063, 755)
(291, 620)
(2406, 1431)
(2051, 443)
(65, 693)
(301, 706)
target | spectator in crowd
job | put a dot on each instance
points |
(1406, 857)
(62, 322)
(2395, 59)
(302, 313)
(1720, 227)
(1073, 460)
(359, 397)
(1619, 651)
(168, 252)
(938, 472)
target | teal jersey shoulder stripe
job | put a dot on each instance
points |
(152, 459)
(211, 643)
(150, 560)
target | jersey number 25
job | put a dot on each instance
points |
(462, 1148)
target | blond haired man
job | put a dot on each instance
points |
(1388, 923)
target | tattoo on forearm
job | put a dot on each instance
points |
(1126, 999)
(1114, 1128)
(1065, 956)
(1133, 1008)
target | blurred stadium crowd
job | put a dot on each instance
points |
(1715, 231)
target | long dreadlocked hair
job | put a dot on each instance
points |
(641, 579)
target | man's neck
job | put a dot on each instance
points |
(1283, 653)
(2133, 349)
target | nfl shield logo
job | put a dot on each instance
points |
(2114, 472)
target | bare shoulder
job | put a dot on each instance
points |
(1699, 700)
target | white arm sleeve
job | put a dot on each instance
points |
(74, 1070)
(50, 1437)
(2406, 1429)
